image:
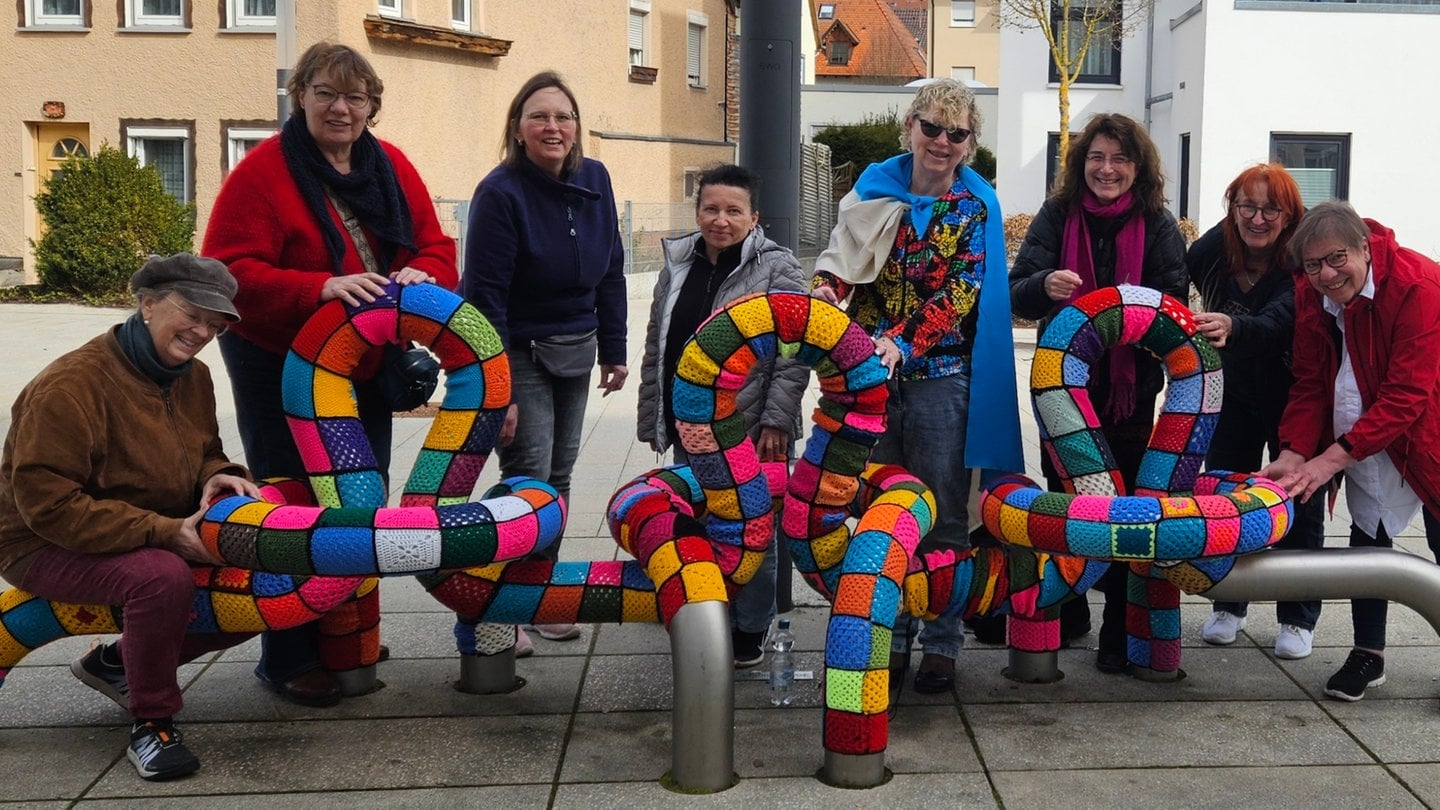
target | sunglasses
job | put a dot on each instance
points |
(930, 130)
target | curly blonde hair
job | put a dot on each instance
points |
(952, 101)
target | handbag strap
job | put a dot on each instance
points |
(357, 236)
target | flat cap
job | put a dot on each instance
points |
(204, 282)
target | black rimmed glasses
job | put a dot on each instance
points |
(930, 130)
(1269, 213)
(192, 320)
(326, 95)
(1336, 259)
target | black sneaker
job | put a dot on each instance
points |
(95, 670)
(1362, 670)
(749, 648)
(157, 752)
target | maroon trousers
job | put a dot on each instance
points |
(155, 589)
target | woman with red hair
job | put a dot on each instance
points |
(1243, 270)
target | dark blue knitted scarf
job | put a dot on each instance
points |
(370, 189)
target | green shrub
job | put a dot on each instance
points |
(874, 139)
(103, 215)
(877, 138)
(984, 164)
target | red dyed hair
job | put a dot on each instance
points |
(1282, 192)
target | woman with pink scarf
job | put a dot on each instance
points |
(1105, 224)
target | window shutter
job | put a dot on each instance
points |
(637, 37)
(694, 40)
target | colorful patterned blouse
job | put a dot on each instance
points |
(925, 296)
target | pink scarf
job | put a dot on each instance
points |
(1076, 255)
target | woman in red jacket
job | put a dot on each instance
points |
(285, 222)
(1366, 399)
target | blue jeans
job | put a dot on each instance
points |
(754, 607)
(925, 434)
(547, 434)
(255, 381)
(1237, 446)
(1369, 615)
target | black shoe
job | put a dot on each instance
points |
(935, 675)
(1361, 670)
(1112, 662)
(317, 688)
(157, 752)
(749, 648)
(987, 629)
(104, 677)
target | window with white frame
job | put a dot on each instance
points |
(250, 13)
(391, 8)
(827, 11)
(692, 181)
(168, 149)
(962, 13)
(163, 13)
(637, 33)
(54, 12)
(460, 15)
(697, 25)
(239, 142)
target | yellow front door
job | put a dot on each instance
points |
(54, 143)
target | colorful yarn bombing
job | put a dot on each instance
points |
(349, 537)
(862, 576)
(1175, 514)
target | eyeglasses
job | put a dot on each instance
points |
(1336, 259)
(326, 95)
(1101, 158)
(561, 119)
(930, 130)
(192, 320)
(1269, 213)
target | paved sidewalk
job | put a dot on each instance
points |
(592, 727)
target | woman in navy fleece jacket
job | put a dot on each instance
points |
(543, 259)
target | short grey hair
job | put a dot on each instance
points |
(1333, 219)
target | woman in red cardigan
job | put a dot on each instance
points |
(283, 224)
(1366, 399)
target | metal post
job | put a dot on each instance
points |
(284, 56)
(770, 113)
(1335, 573)
(853, 770)
(702, 756)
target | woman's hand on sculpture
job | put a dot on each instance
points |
(1215, 327)
(222, 485)
(772, 444)
(407, 275)
(826, 293)
(1061, 284)
(888, 352)
(354, 290)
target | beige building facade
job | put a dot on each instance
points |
(965, 40)
(189, 86)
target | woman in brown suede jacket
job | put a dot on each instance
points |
(112, 452)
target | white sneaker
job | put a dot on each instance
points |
(1293, 642)
(1221, 628)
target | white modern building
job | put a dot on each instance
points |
(1342, 93)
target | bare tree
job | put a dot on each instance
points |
(1072, 28)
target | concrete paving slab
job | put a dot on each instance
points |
(57, 764)
(289, 757)
(794, 793)
(1337, 786)
(1035, 736)
(526, 797)
(1392, 730)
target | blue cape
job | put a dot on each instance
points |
(992, 436)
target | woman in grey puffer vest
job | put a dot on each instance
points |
(727, 258)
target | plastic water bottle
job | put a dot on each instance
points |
(782, 665)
